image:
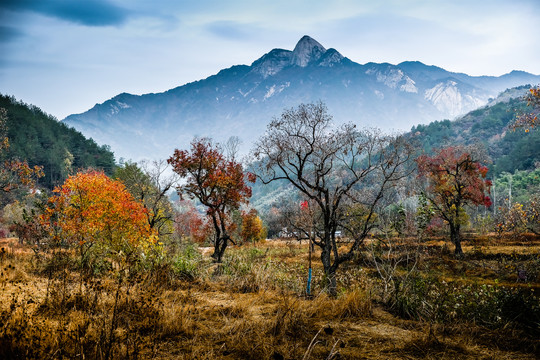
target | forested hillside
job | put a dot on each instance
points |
(42, 140)
(509, 150)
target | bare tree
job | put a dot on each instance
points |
(334, 167)
(151, 183)
(232, 147)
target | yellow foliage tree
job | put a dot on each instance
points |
(93, 212)
(529, 120)
(252, 227)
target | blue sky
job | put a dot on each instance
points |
(67, 55)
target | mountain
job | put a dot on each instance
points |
(42, 140)
(242, 99)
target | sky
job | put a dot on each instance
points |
(65, 56)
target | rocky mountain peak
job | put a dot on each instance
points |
(330, 58)
(242, 99)
(306, 51)
(272, 63)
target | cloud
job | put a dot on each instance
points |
(87, 12)
(231, 30)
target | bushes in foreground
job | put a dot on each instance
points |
(435, 300)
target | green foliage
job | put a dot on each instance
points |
(434, 133)
(509, 150)
(424, 214)
(518, 151)
(186, 264)
(146, 186)
(397, 217)
(522, 183)
(42, 140)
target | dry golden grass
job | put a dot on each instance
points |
(249, 308)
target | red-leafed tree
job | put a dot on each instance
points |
(189, 223)
(218, 183)
(454, 179)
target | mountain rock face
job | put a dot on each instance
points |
(241, 100)
(306, 51)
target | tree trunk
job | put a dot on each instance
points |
(220, 249)
(215, 255)
(456, 239)
(329, 271)
(220, 243)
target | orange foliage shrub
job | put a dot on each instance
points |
(92, 209)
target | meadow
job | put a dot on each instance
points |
(398, 299)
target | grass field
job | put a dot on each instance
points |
(405, 301)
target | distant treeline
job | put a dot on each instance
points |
(42, 140)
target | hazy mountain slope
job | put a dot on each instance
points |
(509, 151)
(242, 99)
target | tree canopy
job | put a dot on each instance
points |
(43, 141)
(14, 172)
(454, 179)
(218, 183)
(91, 210)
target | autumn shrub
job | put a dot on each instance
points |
(22, 217)
(435, 227)
(533, 214)
(253, 229)
(484, 224)
(511, 219)
(100, 219)
(191, 225)
(437, 301)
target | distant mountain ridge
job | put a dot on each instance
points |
(242, 99)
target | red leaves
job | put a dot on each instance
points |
(454, 177)
(483, 170)
(217, 182)
(251, 177)
(528, 120)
